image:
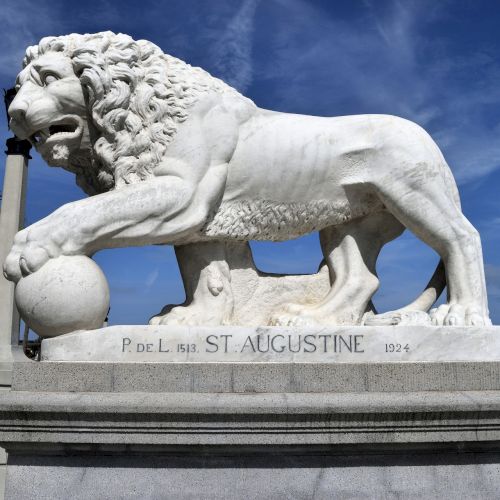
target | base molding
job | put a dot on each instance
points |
(62, 421)
(86, 430)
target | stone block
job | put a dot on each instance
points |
(320, 476)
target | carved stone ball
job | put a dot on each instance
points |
(64, 295)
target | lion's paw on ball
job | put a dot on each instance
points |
(64, 295)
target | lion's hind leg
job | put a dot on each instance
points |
(431, 213)
(207, 283)
(351, 251)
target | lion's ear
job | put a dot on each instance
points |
(92, 84)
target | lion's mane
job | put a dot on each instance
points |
(136, 97)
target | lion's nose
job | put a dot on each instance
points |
(17, 113)
(17, 109)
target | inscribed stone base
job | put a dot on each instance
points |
(233, 344)
(259, 425)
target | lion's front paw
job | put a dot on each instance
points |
(11, 266)
(32, 248)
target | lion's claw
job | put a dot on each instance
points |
(393, 318)
(32, 259)
(292, 320)
(458, 315)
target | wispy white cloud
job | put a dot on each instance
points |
(383, 61)
(231, 54)
(151, 278)
(23, 23)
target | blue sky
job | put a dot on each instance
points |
(436, 63)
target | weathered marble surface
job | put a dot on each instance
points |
(182, 344)
(178, 157)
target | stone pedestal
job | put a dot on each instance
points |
(256, 427)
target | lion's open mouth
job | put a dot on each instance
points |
(70, 128)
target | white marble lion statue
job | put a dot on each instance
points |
(171, 155)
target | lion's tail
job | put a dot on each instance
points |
(422, 303)
(431, 293)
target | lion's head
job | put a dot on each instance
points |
(104, 105)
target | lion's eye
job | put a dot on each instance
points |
(49, 78)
